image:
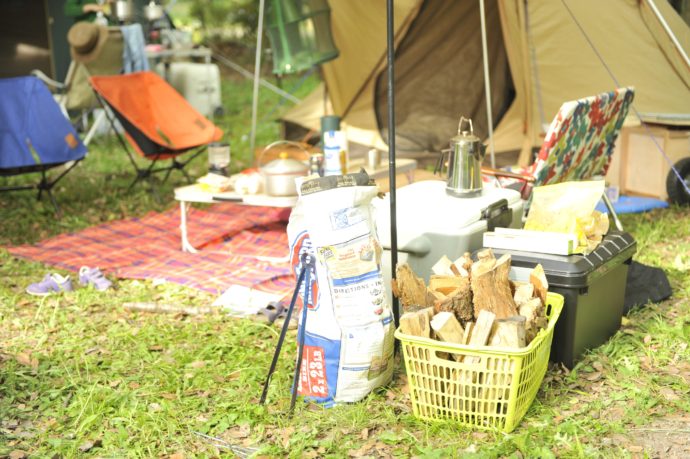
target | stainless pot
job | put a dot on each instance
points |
(153, 11)
(124, 10)
(279, 175)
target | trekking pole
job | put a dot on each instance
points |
(308, 263)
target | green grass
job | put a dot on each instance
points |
(80, 368)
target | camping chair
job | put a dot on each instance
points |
(578, 144)
(35, 136)
(75, 93)
(157, 121)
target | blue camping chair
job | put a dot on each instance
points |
(35, 136)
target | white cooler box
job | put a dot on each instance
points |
(432, 224)
(199, 84)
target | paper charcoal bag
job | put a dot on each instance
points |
(349, 328)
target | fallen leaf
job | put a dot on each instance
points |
(285, 436)
(239, 431)
(176, 456)
(114, 383)
(647, 339)
(635, 449)
(596, 376)
(364, 434)
(155, 407)
(89, 445)
(134, 385)
(168, 396)
(668, 393)
(198, 364)
(26, 359)
(156, 348)
(18, 454)
(598, 366)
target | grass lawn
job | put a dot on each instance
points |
(81, 376)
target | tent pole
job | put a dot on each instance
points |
(487, 84)
(257, 71)
(391, 150)
(669, 32)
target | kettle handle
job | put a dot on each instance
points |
(439, 164)
(469, 121)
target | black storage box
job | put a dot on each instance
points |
(593, 287)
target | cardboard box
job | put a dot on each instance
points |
(643, 168)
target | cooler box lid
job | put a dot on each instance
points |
(425, 207)
(578, 271)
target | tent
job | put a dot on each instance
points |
(540, 55)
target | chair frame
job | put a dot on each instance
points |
(148, 172)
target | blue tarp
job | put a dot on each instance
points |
(30, 118)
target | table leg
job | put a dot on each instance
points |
(186, 246)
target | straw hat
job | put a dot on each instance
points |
(86, 40)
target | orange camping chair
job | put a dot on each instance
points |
(157, 121)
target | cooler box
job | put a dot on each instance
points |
(593, 287)
(198, 83)
(432, 224)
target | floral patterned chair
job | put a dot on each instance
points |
(578, 144)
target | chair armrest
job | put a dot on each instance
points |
(49, 81)
(500, 173)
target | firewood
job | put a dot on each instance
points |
(443, 267)
(509, 332)
(447, 327)
(415, 323)
(447, 284)
(481, 332)
(469, 326)
(459, 301)
(532, 310)
(523, 293)
(538, 278)
(409, 288)
(491, 286)
(465, 261)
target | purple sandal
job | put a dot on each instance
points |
(51, 283)
(94, 276)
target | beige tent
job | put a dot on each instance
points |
(539, 56)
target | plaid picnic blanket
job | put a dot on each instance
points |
(241, 245)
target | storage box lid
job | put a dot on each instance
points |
(578, 271)
(425, 207)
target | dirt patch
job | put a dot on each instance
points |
(663, 438)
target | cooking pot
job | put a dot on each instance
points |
(153, 11)
(124, 10)
(279, 175)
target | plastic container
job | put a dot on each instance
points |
(593, 286)
(494, 392)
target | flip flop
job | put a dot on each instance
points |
(271, 312)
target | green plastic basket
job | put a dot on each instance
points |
(492, 391)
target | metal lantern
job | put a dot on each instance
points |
(300, 34)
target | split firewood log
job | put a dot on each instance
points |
(465, 261)
(532, 310)
(443, 267)
(416, 323)
(447, 327)
(447, 284)
(523, 293)
(459, 302)
(509, 332)
(481, 331)
(409, 288)
(538, 278)
(491, 285)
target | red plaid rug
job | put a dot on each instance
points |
(234, 241)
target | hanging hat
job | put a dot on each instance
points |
(86, 40)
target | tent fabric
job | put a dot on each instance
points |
(550, 62)
(157, 119)
(428, 102)
(34, 133)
